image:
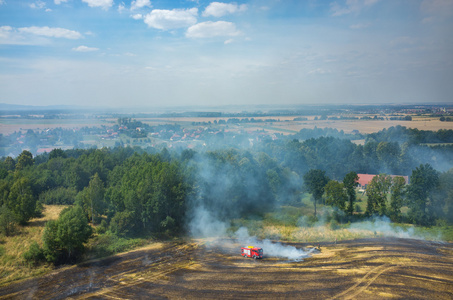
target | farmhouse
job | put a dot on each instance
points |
(365, 179)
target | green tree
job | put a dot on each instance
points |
(9, 163)
(57, 153)
(64, 238)
(423, 181)
(315, 180)
(377, 192)
(7, 221)
(397, 198)
(21, 200)
(389, 153)
(24, 160)
(349, 183)
(92, 198)
(336, 194)
(444, 197)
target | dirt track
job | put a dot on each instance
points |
(359, 269)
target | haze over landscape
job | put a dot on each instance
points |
(179, 53)
(190, 149)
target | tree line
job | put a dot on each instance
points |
(129, 191)
(428, 196)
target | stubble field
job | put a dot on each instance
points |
(360, 269)
(285, 126)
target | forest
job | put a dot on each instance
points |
(129, 192)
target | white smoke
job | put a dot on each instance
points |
(382, 226)
(270, 248)
(205, 224)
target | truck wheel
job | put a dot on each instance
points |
(254, 256)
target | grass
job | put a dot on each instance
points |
(12, 265)
(109, 244)
(298, 224)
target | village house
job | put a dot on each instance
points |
(365, 179)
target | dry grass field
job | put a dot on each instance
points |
(12, 266)
(285, 126)
(8, 126)
(378, 268)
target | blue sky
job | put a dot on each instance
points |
(204, 53)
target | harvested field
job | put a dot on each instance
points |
(358, 269)
(368, 126)
(285, 126)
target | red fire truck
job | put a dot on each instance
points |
(252, 251)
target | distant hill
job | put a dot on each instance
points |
(16, 107)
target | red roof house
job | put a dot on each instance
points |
(365, 179)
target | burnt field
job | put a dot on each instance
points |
(366, 268)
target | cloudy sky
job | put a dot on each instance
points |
(189, 52)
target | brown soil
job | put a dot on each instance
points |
(359, 269)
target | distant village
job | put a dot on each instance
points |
(242, 129)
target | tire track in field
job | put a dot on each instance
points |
(364, 282)
(156, 270)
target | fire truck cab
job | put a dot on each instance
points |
(252, 251)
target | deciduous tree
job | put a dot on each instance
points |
(336, 194)
(377, 192)
(397, 198)
(423, 181)
(350, 182)
(24, 160)
(7, 221)
(21, 200)
(64, 238)
(315, 180)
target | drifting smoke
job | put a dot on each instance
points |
(205, 224)
(382, 226)
(270, 248)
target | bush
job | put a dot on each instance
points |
(35, 254)
(102, 228)
(122, 223)
(64, 238)
(8, 221)
(108, 244)
(334, 225)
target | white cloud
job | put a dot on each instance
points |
(229, 41)
(58, 2)
(2, 2)
(104, 4)
(171, 19)
(10, 36)
(218, 9)
(212, 29)
(351, 6)
(137, 16)
(38, 4)
(34, 35)
(140, 4)
(121, 7)
(5, 31)
(51, 32)
(84, 49)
